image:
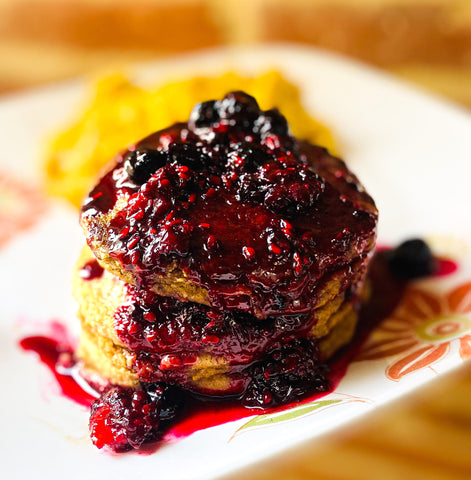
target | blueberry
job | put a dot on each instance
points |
(240, 107)
(204, 115)
(140, 165)
(271, 122)
(412, 259)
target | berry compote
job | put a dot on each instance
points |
(168, 338)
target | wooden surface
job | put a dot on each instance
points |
(425, 41)
(426, 436)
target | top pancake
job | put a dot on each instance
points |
(231, 211)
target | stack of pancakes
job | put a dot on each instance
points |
(224, 257)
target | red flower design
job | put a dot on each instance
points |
(421, 331)
(20, 207)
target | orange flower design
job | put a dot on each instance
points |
(422, 330)
(20, 207)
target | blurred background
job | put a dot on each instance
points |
(427, 42)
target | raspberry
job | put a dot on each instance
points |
(123, 419)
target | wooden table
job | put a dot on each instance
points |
(424, 436)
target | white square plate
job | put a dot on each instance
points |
(412, 153)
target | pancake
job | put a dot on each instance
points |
(98, 315)
(119, 344)
(209, 375)
(230, 211)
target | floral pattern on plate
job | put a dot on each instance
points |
(298, 412)
(422, 330)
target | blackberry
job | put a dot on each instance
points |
(188, 155)
(249, 157)
(249, 188)
(171, 398)
(290, 372)
(293, 193)
(271, 122)
(204, 114)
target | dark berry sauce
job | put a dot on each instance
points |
(445, 267)
(167, 337)
(237, 205)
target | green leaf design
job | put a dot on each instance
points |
(273, 418)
